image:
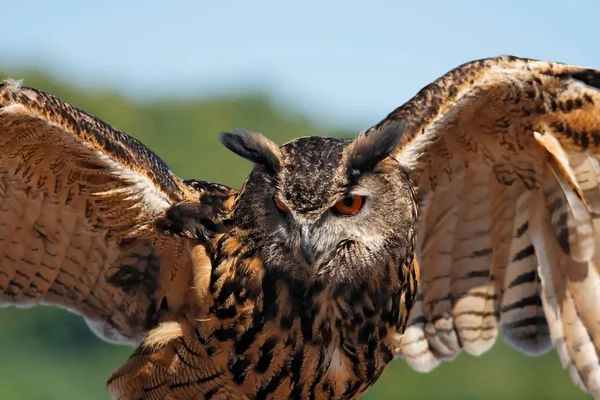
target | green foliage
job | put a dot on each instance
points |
(49, 353)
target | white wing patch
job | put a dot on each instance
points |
(140, 186)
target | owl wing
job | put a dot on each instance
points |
(507, 174)
(78, 205)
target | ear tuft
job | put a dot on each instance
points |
(254, 147)
(373, 146)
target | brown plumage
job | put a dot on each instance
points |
(505, 152)
(277, 290)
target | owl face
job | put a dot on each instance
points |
(326, 209)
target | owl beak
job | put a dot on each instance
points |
(308, 251)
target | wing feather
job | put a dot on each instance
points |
(437, 250)
(522, 319)
(472, 290)
(506, 155)
(568, 332)
(78, 205)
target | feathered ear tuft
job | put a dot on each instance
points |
(373, 146)
(254, 147)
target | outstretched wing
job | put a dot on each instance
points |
(506, 154)
(78, 204)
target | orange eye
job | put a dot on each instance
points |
(349, 205)
(280, 206)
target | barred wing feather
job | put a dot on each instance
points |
(78, 203)
(505, 153)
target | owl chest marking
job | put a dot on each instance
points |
(277, 336)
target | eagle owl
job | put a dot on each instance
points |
(303, 284)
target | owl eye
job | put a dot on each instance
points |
(349, 205)
(280, 206)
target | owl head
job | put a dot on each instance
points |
(329, 209)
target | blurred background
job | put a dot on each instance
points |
(175, 74)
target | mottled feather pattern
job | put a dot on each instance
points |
(79, 200)
(530, 130)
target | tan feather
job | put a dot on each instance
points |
(566, 204)
(587, 174)
(564, 311)
(435, 284)
(413, 345)
(522, 318)
(472, 290)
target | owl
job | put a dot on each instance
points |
(469, 211)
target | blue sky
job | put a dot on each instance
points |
(345, 62)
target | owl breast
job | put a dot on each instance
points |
(273, 336)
